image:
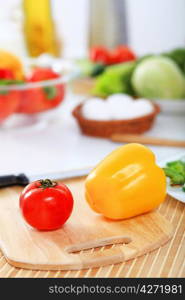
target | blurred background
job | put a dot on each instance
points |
(145, 26)
(54, 54)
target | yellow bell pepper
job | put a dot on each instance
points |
(126, 183)
(11, 62)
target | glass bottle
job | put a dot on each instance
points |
(39, 28)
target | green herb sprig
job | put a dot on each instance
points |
(175, 170)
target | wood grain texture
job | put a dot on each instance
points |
(28, 248)
(147, 140)
(168, 259)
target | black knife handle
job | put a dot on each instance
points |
(10, 180)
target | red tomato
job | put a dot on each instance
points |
(43, 98)
(9, 102)
(6, 74)
(100, 55)
(46, 205)
(43, 74)
(122, 54)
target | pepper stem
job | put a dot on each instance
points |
(46, 183)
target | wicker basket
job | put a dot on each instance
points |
(106, 129)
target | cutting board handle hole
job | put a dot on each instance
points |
(98, 244)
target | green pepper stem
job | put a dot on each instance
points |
(46, 183)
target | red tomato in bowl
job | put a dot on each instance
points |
(43, 74)
(6, 74)
(46, 205)
(40, 99)
(9, 99)
(37, 100)
(9, 102)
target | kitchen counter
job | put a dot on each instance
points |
(55, 143)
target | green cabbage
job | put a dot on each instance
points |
(158, 77)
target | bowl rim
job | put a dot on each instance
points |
(38, 84)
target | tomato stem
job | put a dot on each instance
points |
(46, 183)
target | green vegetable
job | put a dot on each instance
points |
(158, 77)
(176, 178)
(175, 170)
(90, 69)
(115, 79)
(177, 166)
(85, 66)
(50, 91)
(8, 82)
(97, 70)
(178, 56)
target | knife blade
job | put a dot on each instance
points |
(22, 179)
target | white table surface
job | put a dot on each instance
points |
(58, 145)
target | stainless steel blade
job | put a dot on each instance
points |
(61, 175)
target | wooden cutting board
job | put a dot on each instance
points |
(28, 248)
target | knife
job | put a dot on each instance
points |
(22, 179)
